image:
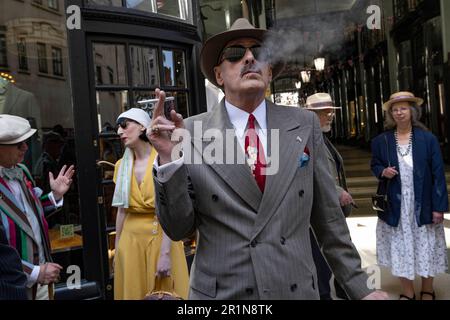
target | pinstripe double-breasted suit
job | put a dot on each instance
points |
(254, 245)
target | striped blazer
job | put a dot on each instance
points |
(15, 222)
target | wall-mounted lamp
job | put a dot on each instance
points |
(319, 63)
(306, 76)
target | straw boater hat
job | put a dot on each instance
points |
(14, 129)
(320, 101)
(213, 47)
(400, 97)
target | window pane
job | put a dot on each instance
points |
(22, 54)
(144, 5)
(110, 64)
(174, 68)
(57, 61)
(169, 7)
(53, 4)
(3, 51)
(114, 3)
(180, 103)
(109, 105)
(144, 64)
(42, 57)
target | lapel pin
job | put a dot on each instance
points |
(299, 139)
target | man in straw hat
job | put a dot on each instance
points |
(253, 228)
(323, 106)
(22, 206)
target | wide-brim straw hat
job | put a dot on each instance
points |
(320, 101)
(400, 97)
(213, 47)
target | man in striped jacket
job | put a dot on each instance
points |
(22, 206)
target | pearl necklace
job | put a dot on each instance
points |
(408, 150)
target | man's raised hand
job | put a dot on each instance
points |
(160, 131)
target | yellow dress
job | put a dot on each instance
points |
(138, 250)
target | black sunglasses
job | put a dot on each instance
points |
(123, 123)
(236, 53)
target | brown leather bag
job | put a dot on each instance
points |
(158, 294)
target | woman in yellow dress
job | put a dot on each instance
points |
(143, 251)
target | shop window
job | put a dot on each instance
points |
(112, 58)
(22, 54)
(57, 61)
(174, 68)
(42, 57)
(33, 36)
(144, 66)
(3, 51)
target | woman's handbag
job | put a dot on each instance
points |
(158, 294)
(380, 201)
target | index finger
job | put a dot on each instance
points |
(159, 109)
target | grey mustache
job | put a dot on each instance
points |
(250, 68)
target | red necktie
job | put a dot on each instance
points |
(255, 153)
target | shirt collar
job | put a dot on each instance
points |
(239, 118)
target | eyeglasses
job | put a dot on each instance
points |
(236, 53)
(400, 110)
(326, 113)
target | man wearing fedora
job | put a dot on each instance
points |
(253, 227)
(323, 106)
(22, 206)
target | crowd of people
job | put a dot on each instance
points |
(278, 217)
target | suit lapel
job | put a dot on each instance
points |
(292, 143)
(238, 175)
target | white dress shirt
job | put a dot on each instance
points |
(239, 120)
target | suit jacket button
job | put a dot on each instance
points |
(215, 198)
(283, 240)
(249, 291)
(294, 287)
(254, 243)
(301, 193)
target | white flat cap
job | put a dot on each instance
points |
(14, 129)
(138, 115)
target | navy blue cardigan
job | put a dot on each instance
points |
(430, 188)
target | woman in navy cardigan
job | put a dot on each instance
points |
(410, 233)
